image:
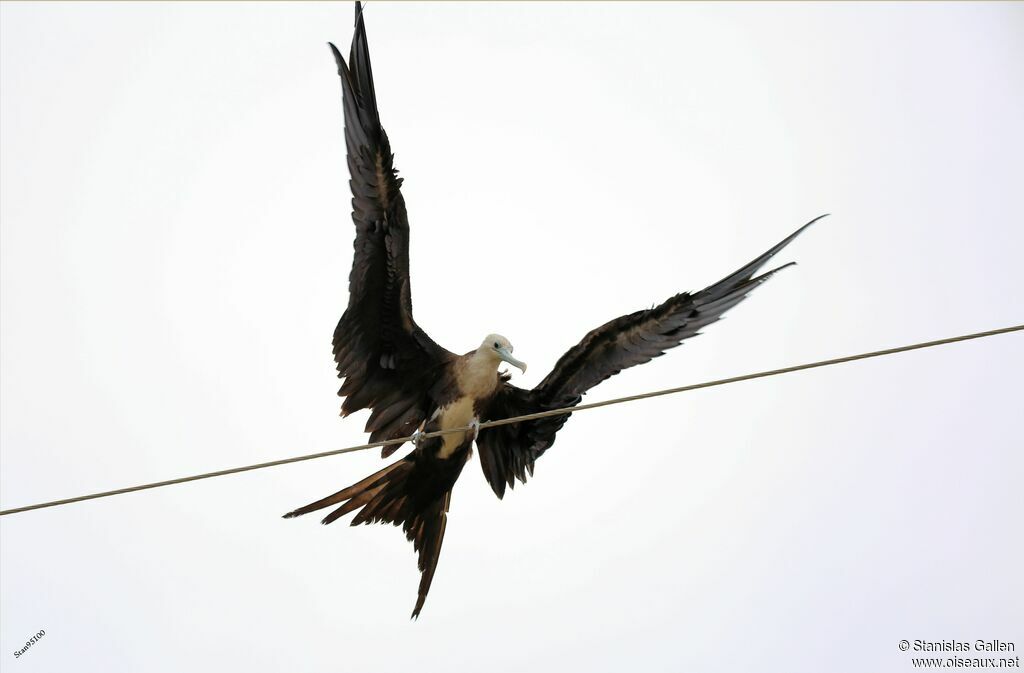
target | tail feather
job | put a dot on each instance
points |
(345, 493)
(429, 547)
(413, 493)
(353, 504)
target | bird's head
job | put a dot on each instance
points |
(500, 348)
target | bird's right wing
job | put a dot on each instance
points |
(389, 364)
(508, 452)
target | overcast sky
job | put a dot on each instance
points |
(175, 242)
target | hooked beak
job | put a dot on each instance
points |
(505, 355)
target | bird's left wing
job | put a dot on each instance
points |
(508, 452)
(389, 364)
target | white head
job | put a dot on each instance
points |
(500, 348)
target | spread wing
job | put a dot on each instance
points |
(508, 452)
(387, 361)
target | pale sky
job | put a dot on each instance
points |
(175, 243)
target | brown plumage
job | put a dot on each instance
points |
(410, 383)
(508, 452)
(413, 493)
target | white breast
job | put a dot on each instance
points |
(476, 378)
(455, 415)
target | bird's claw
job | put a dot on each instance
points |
(474, 429)
(416, 437)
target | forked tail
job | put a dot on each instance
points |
(408, 493)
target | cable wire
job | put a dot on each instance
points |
(526, 417)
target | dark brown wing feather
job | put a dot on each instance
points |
(387, 361)
(508, 452)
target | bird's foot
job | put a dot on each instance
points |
(474, 429)
(416, 437)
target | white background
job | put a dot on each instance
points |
(175, 249)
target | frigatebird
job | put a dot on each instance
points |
(413, 386)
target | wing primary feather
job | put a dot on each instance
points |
(509, 453)
(750, 268)
(379, 349)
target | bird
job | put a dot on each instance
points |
(413, 386)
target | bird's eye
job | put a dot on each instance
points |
(496, 345)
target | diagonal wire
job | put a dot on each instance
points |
(526, 417)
